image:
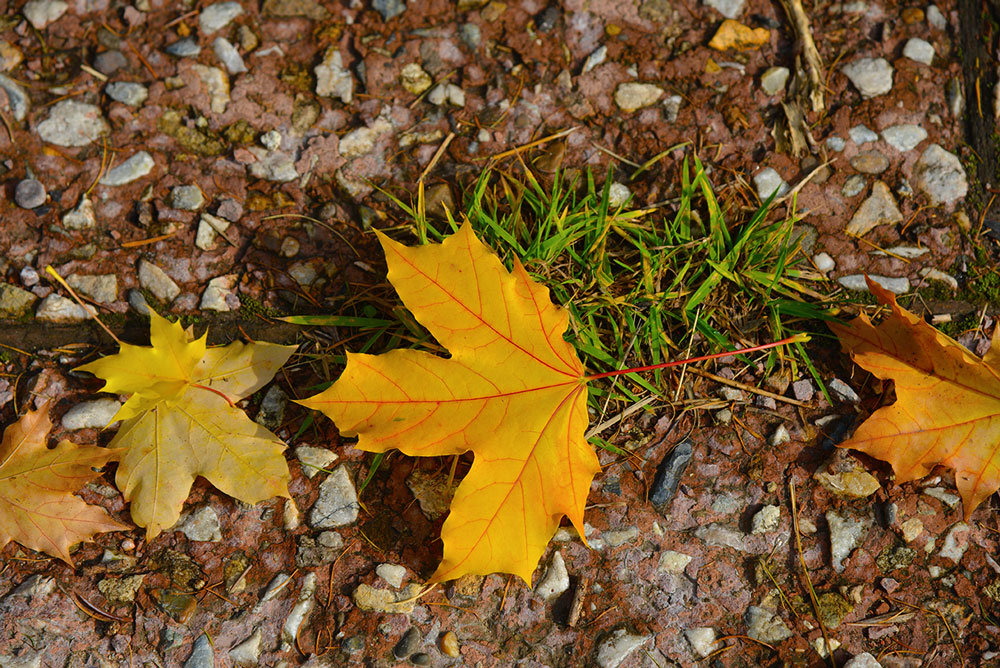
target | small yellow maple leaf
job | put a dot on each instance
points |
(180, 421)
(513, 392)
(947, 408)
(37, 506)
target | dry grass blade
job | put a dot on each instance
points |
(805, 572)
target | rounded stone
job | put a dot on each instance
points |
(29, 194)
(870, 162)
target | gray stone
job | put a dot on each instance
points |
(672, 107)
(228, 56)
(313, 459)
(940, 176)
(871, 76)
(774, 79)
(935, 274)
(82, 217)
(337, 504)
(218, 295)
(879, 209)
(616, 647)
(155, 280)
(202, 656)
(904, 137)
(860, 134)
(271, 140)
(201, 525)
(596, 57)
(247, 653)
(132, 94)
(766, 520)
(300, 611)
(843, 391)
(58, 309)
(835, 143)
(332, 78)
(618, 195)
(956, 542)
(216, 84)
(389, 9)
(117, 591)
(72, 123)
(217, 16)
(956, 97)
(555, 580)
(209, 228)
(16, 97)
(183, 48)
(673, 562)
(25, 659)
(276, 166)
(137, 166)
(702, 640)
(857, 282)
(935, 18)
(102, 288)
(718, 535)
(768, 182)
(765, 626)
(619, 536)
(29, 276)
(824, 262)
(863, 660)
(471, 35)
(393, 574)
(14, 301)
(109, 62)
(845, 535)
(272, 408)
(29, 193)
(230, 209)
(41, 13)
(803, 390)
(633, 96)
(870, 162)
(408, 644)
(854, 185)
(919, 50)
(731, 9)
(668, 476)
(188, 198)
(446, 93)
(96, 414)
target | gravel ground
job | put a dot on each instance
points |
(218, 160)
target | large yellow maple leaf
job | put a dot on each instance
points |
(513, 392)
(180, 421)
(37, 506)
(947, 408)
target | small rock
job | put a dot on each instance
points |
(132, 94)
(471, 34)
(272, 408)
(10, 56)
(218, 296)
(188, 198)
(843, 391)
(734, 35)
(357, 142)
(446, 93)
(944, 496)
(202, 656)
(870, 162)
(289, 247)
(859, 134)
(291, 518)
(432, 493)
(228, 56)
(414, 79)
(911, 529)
(835, 143)
(109, 62)
(919, 50)
(247, 653)
(41, 13)
(939, 175)
(230, 209)
(209, 227)
(421, 659)
(201, 525)
(956, 542)
(718, 535)
(730, 9)
(618, 195)
(304, 273)
(29, 193)
(871, 76)
(898, 286)
(669, 474)
(137, 166)
(673, 562)
(367, 597)
(765, 626)
(408, 644)
(96, 414)
(845, 535)
(216, 84)
(824, 263)
(304, 604)
(864, 660)
(389, 9)
(137, 302)
(82, 217)
(555, 580)
(766, 519)
(819, 644)
(935, 274)
(103, 289)
(853, 186)
(904, 137)
(773, 82)
(155, 280)
(769, 182)
(633, 96)
(271, 140)
(449, 645)
(119, 591)
(879, 209)
(314, 460)
(803, 390)
(780, 435)
(337, 504)
(58, 309)
(16, 97)
(332, 79)
(702, 640)
(183, 48)
(217, 16)
(72, 123)
(854, 484)
(276, 166)
(29, 276)
(393, 574)
(14, 301)
(935, 18)
(596, 57)
(616, 647)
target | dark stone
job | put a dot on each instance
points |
(836, 432)
(421, 659)
(547, 18)
(408, 644)
(109, 62)
(668, 475)
(353, 645)
(29, 194)
(183, 48)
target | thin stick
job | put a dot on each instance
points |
(748, 388)
(51, 271)
(814, 63)
(437, 156)
(805, 571)
(533, 144)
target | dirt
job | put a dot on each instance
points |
(519, 66)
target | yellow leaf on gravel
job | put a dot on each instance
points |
(180, 421)
(734, 35)
(513, 392)
(947, 408)
(37, 506)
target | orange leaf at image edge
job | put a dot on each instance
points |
(947, 408)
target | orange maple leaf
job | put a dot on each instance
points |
(947, 408)
(37, 506)
(513, 392)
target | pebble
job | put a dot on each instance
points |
(389, 9)
(843, 391)
(547, 19)
(860, 134)
(155, 280)
(202, 656)
(857, 282)
(209, 227)
(702, 640)
(845, 535)
(870, 162)
(102, 288)
(824, 263)
(911, 529)
(673, 562)
(853, 186)
(59, 309)
(616, 647)
(618, 195)
(272, 407)
(935, 18)
(774, 79)
(780, 435)
(132, 94)
(633, 96)
(300, 611)
(956, 542)
(449, 645)
(183, 48)
(188, 198)
(16, 97)
(768, 181)
(904, 137)
(871, 76)
(28, 276)
(217, 16)
(109, 62)
(854, 484)
(276, 166)
(353, 645)
(555, 581)
(939, 174)
(421, 659)
(291, 518)
(313, 459)
(72, 123)
(408, 644)
(14, 301)
(835, 143)
(731, 9)
(41, 13)
(446, 93)
(218, 295)
(94, 414)
(289, 247)
(596, 57)
(332, 79)
(357, 142)
(367, 597)
(414, 79)
(935, 274)
(201, 525)
(765, 626)
(230, 209)
(137, 302)
(247, 653)
(919, 50)
(879, 209)
(718, 535)
(271, 140)
(803, 390)
(117, 591)
(337, 504)
(216, 83)
(471, 35)
(766, 520)
(29, 193)
(228, 56)
(669, 474)
(393, 574)
(137, 166)
(863, 660)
